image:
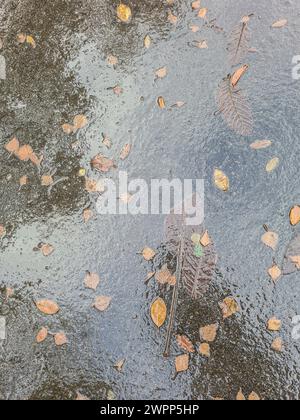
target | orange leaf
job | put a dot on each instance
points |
(13, 146)
(42, 335)
(182, 363)
(204, 349)
(91, 281)
(102, 303)
(60, 339)
(209, 333)
(295, 215)
(158, 312)
(47, 307)
(185, 343)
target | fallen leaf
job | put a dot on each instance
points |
(149, 276)
(93, 186)
(47, 250)
(185, 343)
(261, 144)
(102, 163)
(240, 396)
(277, 345)
(112, 60)
(147, 41)
(117, 90)
(204, 349)
(274, 325)
(254, 397)
(272, 164)
(196, 238)
(275, 272)
(31, 41)
(42, 335)
(47, 307)
(12, 146)
(102, 303)
(46, 180)
(229, 307)
(280, 23)
(202, 13)
(161, 73)
(295, 215)
(198, 251)
(119, 365)
(238, 74)
(23, 181)
(2, 231)
(24, 153)
(80, 121)
(161, 102)
(148, 254)
(91, 281)
(202, 45)
(178, 104)
(205, 240)
(67, 128)
(35, 160)
(87, 215)
(124, 12)
(21, 38)
(270, 239)
(182, 363)
(195, 28)
(295, 260)
(221, 180)
(196, 4)
(158, 312)
(81, 397)
(172, 18)
(9, 292)
(164, 276)
(125, 152)
(60, 339)
(106, 141)
(209, 333)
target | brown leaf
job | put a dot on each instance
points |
(274, 272)
(182, 363)
(23, 180)
(277, 345)
(35, 160)
(124, 13)
(2, 231)
(60, 339)
(102, 303)
(12, 146)
(261, 144)
(229, 307)
(93, 186)
(119, 365)
(270, 239)
(125, 152)
(117, 90)
(185, 343)
(47, 250)
(209, 333)
(161, 73)
(106, 141)
(161, 102)
(80, 121)
(238, 74)
(46, 180)
(280, 23)
(87, 215)
(240, 396)
(158, 312)
(295, 215)
(164, 276)
(274, 325)
(42, 335)
(21, 38)
(47, 307)
(204, 349)
(254, 397)
(24, 153)
(202, 13)
(91, 281)
(178, 104)
(148, 254)
(102, 163)
(205, 240)
(67, 128)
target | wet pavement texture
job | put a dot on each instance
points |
(68, 74)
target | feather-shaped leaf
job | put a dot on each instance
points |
(196, 269)
(234, 107)
(292, 257)
(238, 45)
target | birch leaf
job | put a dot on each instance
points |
(158, 312)
(80, 121)
(47, 307)
(102, 164)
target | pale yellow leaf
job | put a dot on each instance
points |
(158, 312)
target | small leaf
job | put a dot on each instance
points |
(229, 307)
(158, 312)
(124, 12)
(102, 164)
(60, 339)
(161, 73)
(221, 180)
(91, 281)
(164, 276)
(46, 180)
(161, 102)
(147, 41)
(172, 18)
(270, 239)
(205, 240)
(21, 38)
(81, 397)
(295, 215)
(182, 363)
(238, 74)
(240, 396)
(23, 181)
(295, 260)
(202, 13)
(87, 215)
(125, 152)
(31, 41)
(2, 231)
(274, 325)
(196, 4)
(254, 397)
(148, 254)
(80, 121)
(102, 303)
(12, 146)
(119, 365)
(261, 144)
(209, 333)
(277, 345)
(112, 60)
(274, 272)
(196, 238)
(198, 251)
(24, 153)
(204, 349)
(67, 128)
(185, 343)
(195, 28)
(280, 23)
(42, 335)
(272, 164)
(47, 307)
(47, 250)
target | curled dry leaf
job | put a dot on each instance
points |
(221, 180)
(295, 215)
(119, 365)
(204, 349)
(125, 152)
(161, 102)
(277, 345)
(80, 121)
(240, 396)
(229, 307)
(42, 335)
(158, 312)
(272, 164)
(47, 250)
(102, 303)
(91, 281)
(274, 272)
(102, 163)
(202, 13)
(124, 12)
(238, 74)
(185, 343)
(280, 23)
(147, 41)
(60, 339)
(182, 363)
(270, 239)
(209, 333)
(12, 146)
(47, 307)
(148, 254)
(261, 144)
(274, 325)
(254, 397)
(161, 73)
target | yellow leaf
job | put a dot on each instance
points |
(161, 102)
(221, 180)
(24, 153)
(60, 339)
(47, 250)
(260, 144)
(91, 281)
(102, 303)
(204, 349)
(124, 12)
(254, 397)
(196, 4)
(30, 40)
(229, 307)
(80, 121)
(185, 343)
(295, 215)
(205, 240)
(46, 180)
(2, 231)
(272, 164)
(47, 307)
(67, 128)
(158, 312)
(13, 146)
(182, 363)
(161, 73)
(172, 18)
(274, 325)
(238, 74)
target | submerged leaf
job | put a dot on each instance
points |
(158, 312)
(185, 343)
(229, 307)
